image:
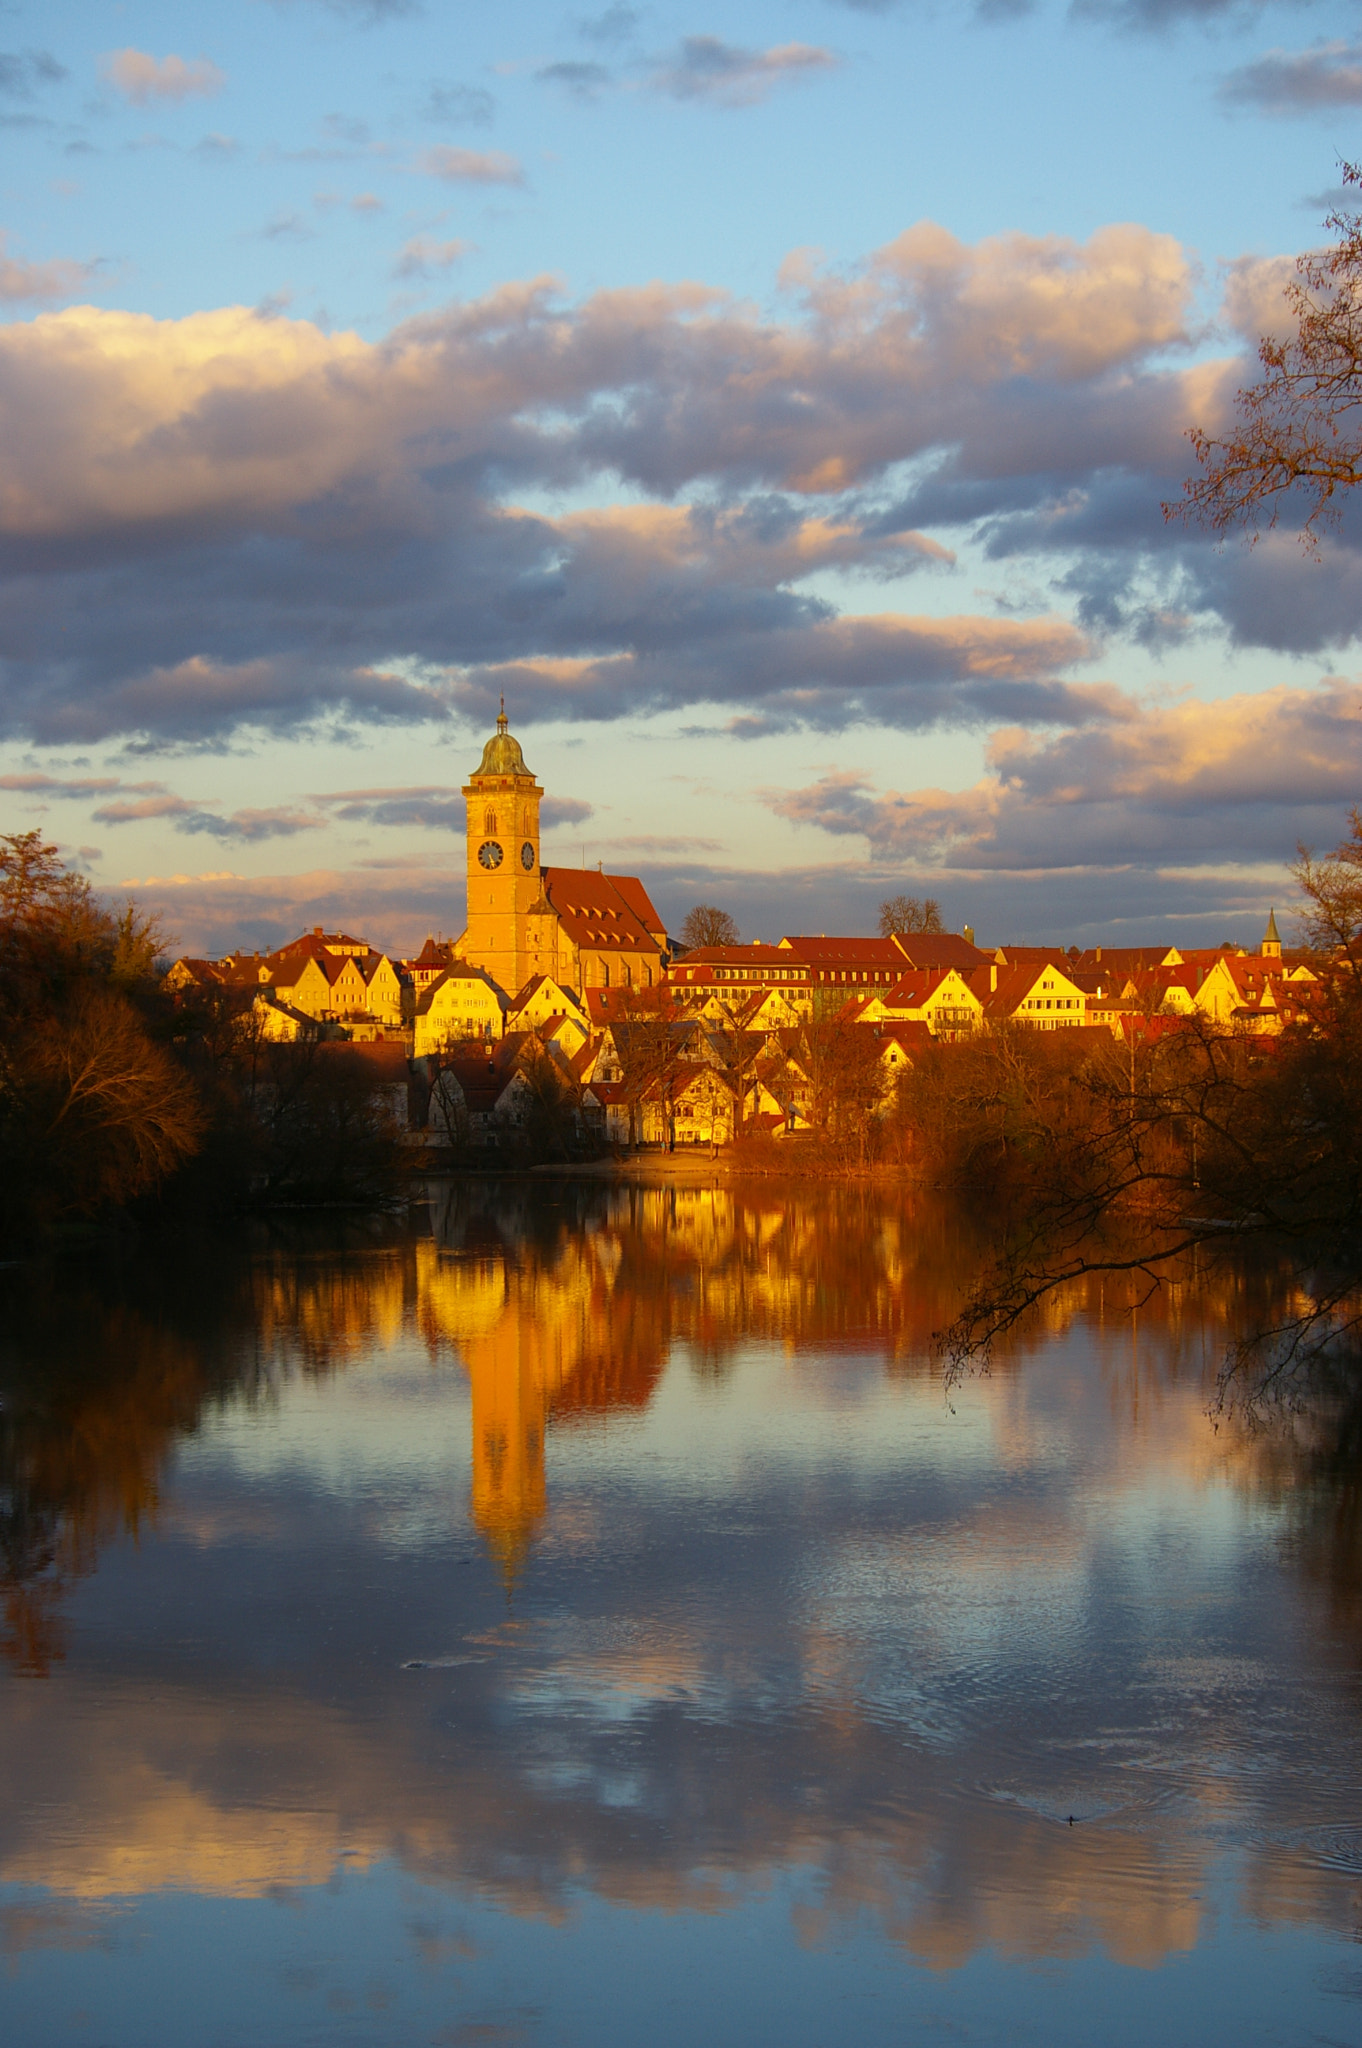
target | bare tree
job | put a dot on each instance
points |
(113, 1112)
(909, 914)
(1298, 431)
(707, 925)
(1331, 884)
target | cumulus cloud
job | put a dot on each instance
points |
(704, 68)
(140, 77)
(423, 256)
(1298, 81)
(238, 518)
(1255, 301)
(57, 278)
(1239, 780)
(823, 672)
(470, 166)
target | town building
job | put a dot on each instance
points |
(462, 1004)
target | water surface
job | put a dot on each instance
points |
(583, 1615)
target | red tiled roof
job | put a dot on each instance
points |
(941, 950)
(639, 901)
(825, 952)
(739, 956)
(599, 911)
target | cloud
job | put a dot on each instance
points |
(470, 166)
(237, 519)
(1298, 82)
(1235, 781)
(614, 25)
(243, 826)
(141, 77)
(370, 13)
(75, 788)
(557, 811)
(57, 278)
(704, 68)
(1158, 16)
(826, 673)
(584, 81)
(23, 71)
(1255, 301)
(287, 227)
(361, 202)
(457, 105)
(435, 807)
(424, 257)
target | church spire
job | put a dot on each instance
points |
(1271, 948)
(501, 715)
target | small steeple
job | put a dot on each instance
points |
(1271, 948)
(501, 715)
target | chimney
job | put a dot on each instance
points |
(968, 934)
(1097, 954)
(993, 980)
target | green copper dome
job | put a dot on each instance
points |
(502, 755)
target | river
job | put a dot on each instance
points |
(584, 1614)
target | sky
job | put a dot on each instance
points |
(776, 403)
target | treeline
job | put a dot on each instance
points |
(1183, 1139)
(113, 1099)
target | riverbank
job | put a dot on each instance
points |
(694, 1168)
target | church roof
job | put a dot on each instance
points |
(601, 912)
(502, 755)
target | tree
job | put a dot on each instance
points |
(1298, 431)
(1331, 885)
(93, 1112)
(1211, 1141)
(707, 925)
(650, 1040)
(846, 1081)
(909, 914)
(112, 1113)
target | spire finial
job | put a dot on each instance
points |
(501, 715)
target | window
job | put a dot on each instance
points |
(489, 824)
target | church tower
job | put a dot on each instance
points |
(506, 932)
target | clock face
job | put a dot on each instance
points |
(527, 856)
(490, 854)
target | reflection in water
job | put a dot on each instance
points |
(589, 1550)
